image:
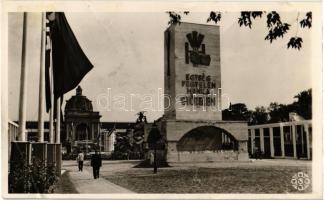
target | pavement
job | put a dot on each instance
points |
(85, 183)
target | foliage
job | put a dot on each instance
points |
(259, 116)
(303, 105)
(237, 112)
(130, 144)
(245, 18)
(295, 42)
(123, 145)
(175, 17)
(307, 22)
(19, 177)
(214, 16)
(274, 113)
(276, 28)
(138, 136)
(32, 178)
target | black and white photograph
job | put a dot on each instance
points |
(161, 100)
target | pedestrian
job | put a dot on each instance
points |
(96, 164)
(151, 158)
(80, 159)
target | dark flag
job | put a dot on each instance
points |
(70, 64)
(47, 81)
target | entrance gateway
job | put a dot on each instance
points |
(192, 125)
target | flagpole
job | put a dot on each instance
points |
(23, 85)
(58, 120)
(51, 111)
(41, 82)
(58, 138)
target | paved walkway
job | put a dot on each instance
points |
(85, 183)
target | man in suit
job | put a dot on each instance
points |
(96, 164)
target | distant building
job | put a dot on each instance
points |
(81, 130)
(82, 124)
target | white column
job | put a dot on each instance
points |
(261, 139)
(23, 85)
(271, 142)
(51, 126)
(282, 141)
(302, 139)
(252, 140)
(41, 96)
(294, 140)
(307, 141)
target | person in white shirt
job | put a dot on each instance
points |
(80, 159)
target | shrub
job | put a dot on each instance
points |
(32, 178)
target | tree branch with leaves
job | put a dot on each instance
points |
(276, 27)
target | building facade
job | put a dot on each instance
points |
(82, 124)
(282, 140)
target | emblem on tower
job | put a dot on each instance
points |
(196, 55)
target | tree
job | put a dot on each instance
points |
(236, 112)
(259, 116)
(138, 134)
(303, 104)
(278, 112)
(123, 144)
(276, 28)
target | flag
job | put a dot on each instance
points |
(47, 68)
(69, 62)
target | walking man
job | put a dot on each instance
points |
(96, 164)
(80, 160)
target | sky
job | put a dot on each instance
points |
(127, 51)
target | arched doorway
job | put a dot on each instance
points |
(82, 132)
(207, 138)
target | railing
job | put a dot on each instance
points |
(12, 134)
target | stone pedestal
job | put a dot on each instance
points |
(20, 160)
(39, 152)
(20, 152)
(51, 154)
(175, 130)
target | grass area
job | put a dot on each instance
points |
(65, 186)
(270, 179)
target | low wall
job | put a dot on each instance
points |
(206, 156)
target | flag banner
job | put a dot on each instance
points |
(47, 66)
(47, 79)
(70, 64)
